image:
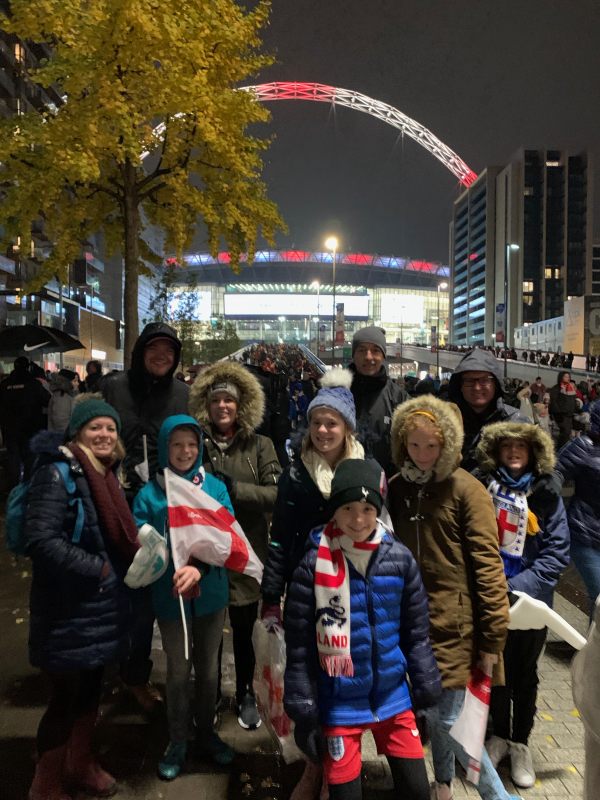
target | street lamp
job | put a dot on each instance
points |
(509, 247)
(402, 307)
(316, 285)
(331, 243)
(441, 286)
(282, 320)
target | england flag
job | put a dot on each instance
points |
(200, 527)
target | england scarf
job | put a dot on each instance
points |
(512, 515)
(200, 527)
(332, 595)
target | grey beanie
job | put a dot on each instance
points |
(373, 335)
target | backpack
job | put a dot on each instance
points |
(16, 506)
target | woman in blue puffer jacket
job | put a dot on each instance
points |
(78, 612)
(579, 461)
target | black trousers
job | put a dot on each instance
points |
(521, 655)
(136, 668)
(74, 694)
(242, 620)
(410, 782)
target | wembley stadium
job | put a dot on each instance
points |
(293, 295)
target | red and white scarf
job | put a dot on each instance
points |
(332, 595)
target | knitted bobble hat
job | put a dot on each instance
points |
(86, 408)
(356, 480)
(335, 393)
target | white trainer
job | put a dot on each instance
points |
(441, 791)
(497, 749)
(521, 766)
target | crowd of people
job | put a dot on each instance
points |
(394, 527)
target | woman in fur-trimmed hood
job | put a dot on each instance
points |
(445, 517)
(228, 402)
(534, 545)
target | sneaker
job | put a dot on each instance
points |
(497, 749)
(215, 748)
(146, 696)
(441, 791)
(172, 762)
(521, 766)
(248, 715)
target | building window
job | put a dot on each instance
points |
(528, 299)
(527, 286)
(19, 53)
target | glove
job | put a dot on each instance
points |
(547, 489)
(226, 479)
(271, 611)
(311, 741)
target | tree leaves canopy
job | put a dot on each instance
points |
(125, 68)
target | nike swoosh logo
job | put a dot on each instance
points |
(28, 349)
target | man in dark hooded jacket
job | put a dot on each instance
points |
(375, 394)
(476, 388)
(23, 403)
(145, 396)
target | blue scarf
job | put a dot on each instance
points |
(520, 484)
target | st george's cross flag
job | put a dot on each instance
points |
(200, 527)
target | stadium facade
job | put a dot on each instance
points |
(288, 295)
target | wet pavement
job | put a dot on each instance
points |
(131, 744)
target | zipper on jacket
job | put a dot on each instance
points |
(371, 613)
(416, 518)
(253, 470)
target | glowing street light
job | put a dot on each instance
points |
(441, 287)
(316, 285)
(509, 246)
(331, 243)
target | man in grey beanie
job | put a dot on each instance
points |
(375, 395)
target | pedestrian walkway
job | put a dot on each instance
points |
(130, 745)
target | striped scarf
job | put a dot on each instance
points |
(512, 516)
(332, 595)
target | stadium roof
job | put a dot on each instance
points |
(292, 266)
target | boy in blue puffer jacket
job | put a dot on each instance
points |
(206, 594)
(356, 627)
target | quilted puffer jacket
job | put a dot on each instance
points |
(389, 640)
(78, 618)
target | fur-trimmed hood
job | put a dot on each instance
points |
(447, 416)
(251, 405)
(539, 441)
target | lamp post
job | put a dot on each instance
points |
(402, 307)
(441, 286)
(316, 285)
(282, 320)
(331, 243)
(509, 246)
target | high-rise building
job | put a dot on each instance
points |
(537, 246)
(596, 268)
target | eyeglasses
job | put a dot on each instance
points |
(483, 382)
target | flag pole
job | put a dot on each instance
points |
(186, 648)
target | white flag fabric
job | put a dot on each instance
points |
(470, 726)
(200, 527)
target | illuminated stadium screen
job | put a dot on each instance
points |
(271, 306)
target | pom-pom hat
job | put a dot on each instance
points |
(87, 408)
(335, 394)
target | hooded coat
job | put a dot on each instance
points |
(479, 361)
(579, 461)
(144, 402)
(545, 554)
(449, 525)
(61, 403)
(248, 461)
(78, 617)
(150, 505)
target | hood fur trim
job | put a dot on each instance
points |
(251, 405)
(540, 442)
(449, 419)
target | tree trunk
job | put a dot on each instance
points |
(131, 218)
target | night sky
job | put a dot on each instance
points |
(485, 77)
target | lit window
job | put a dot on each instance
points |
(527, 286)
(528, 299)
(553, 163)
(19, 53)
(548, 272)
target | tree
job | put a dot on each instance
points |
(139, 76)
(180, 306)
(219, 341)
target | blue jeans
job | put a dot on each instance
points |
(444, 749)
(587, 561)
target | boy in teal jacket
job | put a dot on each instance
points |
(205, 591)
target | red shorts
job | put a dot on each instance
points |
(397, 736)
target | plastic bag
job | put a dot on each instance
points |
(151, 560)
(269, 649)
